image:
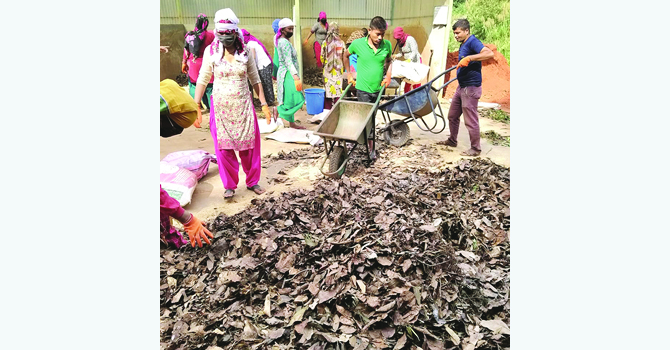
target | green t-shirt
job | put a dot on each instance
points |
(369, 64)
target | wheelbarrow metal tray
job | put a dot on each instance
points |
(418, 102)
(347, 121)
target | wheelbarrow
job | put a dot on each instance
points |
(347, 123)
(413, 106)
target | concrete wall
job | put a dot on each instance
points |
(172, 35)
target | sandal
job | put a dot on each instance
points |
(257, 189)
(229, 194)
(471, 153)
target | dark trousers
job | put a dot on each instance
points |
(367, 96)
(465, 102)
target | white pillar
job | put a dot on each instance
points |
(439, 39)
(297, 41)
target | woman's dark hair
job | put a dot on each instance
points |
(365, 31)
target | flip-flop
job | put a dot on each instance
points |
(229, 194)
(256, 189)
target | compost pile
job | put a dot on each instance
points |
(182, 79)
(389, 259)
(313, 76)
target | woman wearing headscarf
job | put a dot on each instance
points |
(409, 51)
(289, 86)
(194, 48)
(320, 30)
(264, 65)
(232, 118)
(332, 56)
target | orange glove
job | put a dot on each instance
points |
(305, 42)
(198, 120)
(464, 62)
(184, 68)
(351, 80)
(266, 111)
(386, 82)
(298, 84)
(196, 231)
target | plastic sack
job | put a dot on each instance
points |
(178, 182)
(265, 128)
(196, 161)
(410, 71)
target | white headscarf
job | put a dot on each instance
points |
(285, 22)
(217, 46)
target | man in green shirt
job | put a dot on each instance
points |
(373, 52)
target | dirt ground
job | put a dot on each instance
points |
(208, 200)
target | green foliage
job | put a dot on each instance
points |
(495, 114)
(489, 22)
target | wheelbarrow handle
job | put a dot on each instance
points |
(438, 76)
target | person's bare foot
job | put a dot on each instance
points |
(296, 126)
(471, 153)
(448, 142)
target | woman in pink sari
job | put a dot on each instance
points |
(232, 118)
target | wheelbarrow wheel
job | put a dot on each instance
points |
(336, 159)
(397, 135)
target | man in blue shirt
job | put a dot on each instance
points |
(466, 97)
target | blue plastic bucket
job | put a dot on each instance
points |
(315, 99)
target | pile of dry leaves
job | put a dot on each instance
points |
(387, 259)
(313, 76)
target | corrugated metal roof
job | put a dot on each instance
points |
(348, 13)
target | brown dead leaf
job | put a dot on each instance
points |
(453, 336)
(385, 261)
(327, 295)
(297, 315)
(386, 307)
(343, 311)
(277, 333)
(401, 342)
(433, 344)
(231, 276)
(406, 265)
(285, 263)
(388, 332)
(497, 326)
(177, 296)
(246, 262)
(373, 301)
(300, 327)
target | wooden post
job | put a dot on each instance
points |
(297, 38)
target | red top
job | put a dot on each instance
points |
(194, 66)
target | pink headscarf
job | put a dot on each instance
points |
(248, 37)
(322, 15)
(400, 35)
